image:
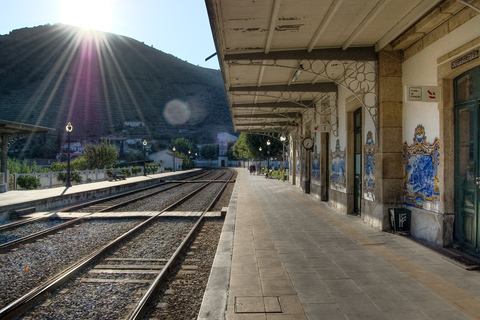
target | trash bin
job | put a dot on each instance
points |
(400, 219)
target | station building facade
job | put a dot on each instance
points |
(379, 100)
(403, 133)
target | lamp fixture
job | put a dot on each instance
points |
(297, 73)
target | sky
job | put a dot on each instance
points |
(177, 27)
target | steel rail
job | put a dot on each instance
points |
(23, 303)
(32, 237)
(94, 202)
(142, 305)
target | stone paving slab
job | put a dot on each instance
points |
(321, 264)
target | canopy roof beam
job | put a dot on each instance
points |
(304, 87)
(275, 105)
(349, 54)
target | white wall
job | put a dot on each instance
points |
(421, 69)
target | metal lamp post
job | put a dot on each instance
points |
(174, 149)
(283, 138)
(268, 154)
(260, 149)
(69, 129)
(144, 157)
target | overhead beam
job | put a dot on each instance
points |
(365, 23)
(414, 15)
(350, 54)
(270, 115)
(271, 105)
(272, 24)
(258, 131)
(267, 124)
(301, 87)
(325, 22)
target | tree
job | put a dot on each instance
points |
(183, 145)
(241, 149)
(210, 151)
(101, 156)
(247, 146)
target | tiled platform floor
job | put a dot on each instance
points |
(284, 255)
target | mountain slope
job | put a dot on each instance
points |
(50, 75)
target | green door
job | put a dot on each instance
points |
(467, 175)
(357, 151)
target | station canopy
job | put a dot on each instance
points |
(280, 58)
(14, 128)
(8, 128)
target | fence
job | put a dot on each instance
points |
(50, 179)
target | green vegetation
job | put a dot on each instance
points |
(101, 156)
(184, 149)
(28, 182)
(74, 177)
(247, 146)
(210, 152)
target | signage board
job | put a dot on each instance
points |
(322, 127)
(423, 93)
(465, 59)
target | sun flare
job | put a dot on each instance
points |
(88, 14)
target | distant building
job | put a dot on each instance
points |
(223, 139)
(134, 124)
(165, 157)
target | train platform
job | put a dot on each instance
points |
(285, 255)
(46, 199)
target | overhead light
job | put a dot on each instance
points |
(297, 73)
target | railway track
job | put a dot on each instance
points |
(123, 268)
(20, 232)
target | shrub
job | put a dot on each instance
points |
(74, 177)
(126, 172)
(28, 182)
(136, 170)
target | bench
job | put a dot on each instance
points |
(114, 175)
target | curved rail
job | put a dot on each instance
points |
(142, 305)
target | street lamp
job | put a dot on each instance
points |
(260, 149)
(283, 138)
(174, 149)
(69, 129)
(268, 154)
(144, 157)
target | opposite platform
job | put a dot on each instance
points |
(46, 199)
(285, 255)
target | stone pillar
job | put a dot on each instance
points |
(389, 167)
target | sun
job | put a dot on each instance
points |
(88, 14)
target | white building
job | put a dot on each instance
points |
(166, 158)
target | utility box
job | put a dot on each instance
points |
(400, 219)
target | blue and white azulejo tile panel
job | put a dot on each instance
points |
(420, 184)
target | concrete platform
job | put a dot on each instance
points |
(285, 255)
(46, 199)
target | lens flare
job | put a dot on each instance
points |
(176, 112)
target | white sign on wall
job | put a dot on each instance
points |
(423, 93)
(321, 127)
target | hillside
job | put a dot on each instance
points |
(50, 75)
